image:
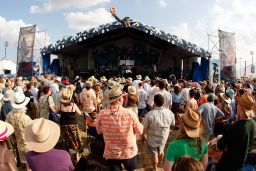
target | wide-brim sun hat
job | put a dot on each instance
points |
(132, 90)
(192, 123)
(103, 79)
(247, 101)
(19, 100)
(66, 96)
(129, 80)
(41, 135)
(8, 95)
(115, 94)
(225, 98)
(6, 130)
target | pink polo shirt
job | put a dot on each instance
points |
(119, 131)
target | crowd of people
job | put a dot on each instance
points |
(214, 123)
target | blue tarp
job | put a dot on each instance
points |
(46, 63)
(197, 72)
(201, 73)
(205, 68)
(55, 67)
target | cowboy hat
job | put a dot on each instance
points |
(71, 87)
(58, 79)
(114, 94)
(247, 101)
(19, 100)
(139, 77)
(6, 130)
(225, 98)
(8, 95)
(147, 78)
(103, 79)
(132, 90)
(66, 96)
(192, 123)
(41, 135)
(129, 80)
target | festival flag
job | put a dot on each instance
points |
(25, 51)
(227, 55)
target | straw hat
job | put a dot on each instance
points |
(8, 95)
(20, 100)
(103, 79)
(6, 130)
(41, 135)
(66, 96)
(123, 81)
(139, 77)
(58, 79)
(129, 80)
(248, 102)
(147, 78)
(132, 90)
(192, 123)
(114, 94)
(71, 87)
(225, 98)
(239, 85)
(88, 83)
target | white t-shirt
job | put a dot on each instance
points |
(167, 98)
(143, 97)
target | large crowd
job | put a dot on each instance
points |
(214, 123)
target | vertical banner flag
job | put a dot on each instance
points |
(25, 51)
(227, 55)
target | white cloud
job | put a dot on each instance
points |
(181, 30)
(51, 5)
(9, 31)
(162, 3)
(240, 19)
(79, 21)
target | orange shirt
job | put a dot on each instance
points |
(119, 131)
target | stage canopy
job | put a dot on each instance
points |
(171, 46)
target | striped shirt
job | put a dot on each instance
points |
(119, 131)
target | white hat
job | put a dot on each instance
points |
(147, 78)
(41, 135)
(58, 79)
(8, 95)
(139, 77)
(20, 100)
(6, 130)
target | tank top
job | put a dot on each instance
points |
(68, 118)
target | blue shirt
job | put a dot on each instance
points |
(5, 109)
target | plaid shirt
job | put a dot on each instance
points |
(119, 131)
(19, 121)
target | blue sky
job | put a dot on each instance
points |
(188, 19)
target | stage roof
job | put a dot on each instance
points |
(89, 36)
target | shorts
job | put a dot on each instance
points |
(142, 112)
(155, 150)
(129, 164)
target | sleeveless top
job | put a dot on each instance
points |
(68, 118)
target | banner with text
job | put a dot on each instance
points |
(25, 51)
(227, 55)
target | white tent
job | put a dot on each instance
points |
(7, 67)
